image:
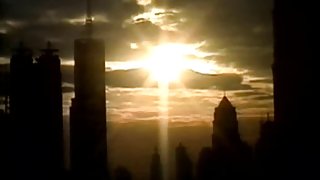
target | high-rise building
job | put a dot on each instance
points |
(155, 166)
(122, 173)
(294, 69)
(184, 167)
(290, 52)
(21, 66)
(49, 115)
(225, 123)
(36, 112)
(205, 164)
(231, 157)
(21, 111)
(88, 145)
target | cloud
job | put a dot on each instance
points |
(140, 78)
(243, 31)
(254, 95)
(215, 21)
(144, 2)
(263, 80)
(220, 81)
(248, 93)
(127, 78)
(189, 79)
(265, 97)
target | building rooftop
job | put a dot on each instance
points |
(225, 103)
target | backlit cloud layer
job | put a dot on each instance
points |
(237, 33)
(242, 29)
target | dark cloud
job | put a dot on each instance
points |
(264, 80)
(254, 95)
(265, 97)
(221, 82)
(144, 31)
(127, 78)
(32, 10)
(243, 29)
(136, 78)
(248, 93)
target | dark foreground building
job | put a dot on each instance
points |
(88, 146)
(156, 170)
(184, 166)
(36, 114)
(287, 147)
(48, 97)
(229, 157)
(88, 110)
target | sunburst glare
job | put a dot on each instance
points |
(166, 62)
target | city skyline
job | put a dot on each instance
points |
(182, 95)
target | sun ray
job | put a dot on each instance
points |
(163, 126)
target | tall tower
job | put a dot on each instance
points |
(294, 59)
(294, 69)
(288, 54)
(230, 155)
(155, 166)
(225, 123)
(88, 148)
(36, 111)
(23, 124)
(49, 115)
(21, 65)
(184, 167)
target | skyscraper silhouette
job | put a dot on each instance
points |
(230, 155)
(36, 112)
(225, 123)
(295, 53)
(21, 66)
(88, 146)
(23, 124)
(4, 91)
(48, 102)
(122, 173)
(5, 140)
(184, 168)
(292, 51)
(155, 166)
(205, 165)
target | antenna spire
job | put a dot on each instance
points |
(89, 19)
(49, 49)
(89, 11)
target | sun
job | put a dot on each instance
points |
(166, 62)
